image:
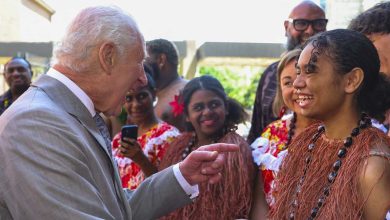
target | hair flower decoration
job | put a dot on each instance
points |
(177, 106)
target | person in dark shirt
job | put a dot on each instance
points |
(17, 74)
(305, 20)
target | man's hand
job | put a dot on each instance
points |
(206, 163)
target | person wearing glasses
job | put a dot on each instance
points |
(17, 74)
(305, 20)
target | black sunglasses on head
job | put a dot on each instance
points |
(303, 24)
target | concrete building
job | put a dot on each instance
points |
(25, 31)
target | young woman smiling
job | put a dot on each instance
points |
(341, 169)
(212, 117)
(271, 147)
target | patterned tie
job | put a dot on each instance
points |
(103, 131)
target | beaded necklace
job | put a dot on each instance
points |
(291, 130)
(189, 147)
(192, 142)
(364, 122)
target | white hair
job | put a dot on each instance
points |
(91, 27)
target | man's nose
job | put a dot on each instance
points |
(309, 30)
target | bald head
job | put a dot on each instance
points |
(309, 12)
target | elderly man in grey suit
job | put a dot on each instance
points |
(54, 161)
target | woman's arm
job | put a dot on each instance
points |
(130, 148)
(375, 187)
(259, 208)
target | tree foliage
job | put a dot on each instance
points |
(239, 83)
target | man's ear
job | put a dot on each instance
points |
(353, 80)
(161, 60)
(107, 56)
(286, 27)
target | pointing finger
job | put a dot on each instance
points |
(220, 147)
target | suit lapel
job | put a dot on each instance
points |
(61, 95)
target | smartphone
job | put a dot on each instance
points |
(130, 131)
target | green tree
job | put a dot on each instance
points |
(239, 83)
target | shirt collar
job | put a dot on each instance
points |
(74, 88)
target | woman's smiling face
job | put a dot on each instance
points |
(139, 104)
(319, 88)
(206, 112)
(287, 77)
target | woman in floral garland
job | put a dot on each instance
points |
(212, 117)
(341, 169)
(271, 147)
(140, 158)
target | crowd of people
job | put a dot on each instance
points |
(318, 147)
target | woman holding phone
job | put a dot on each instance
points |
(139, 158)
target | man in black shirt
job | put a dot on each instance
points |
(17, 74)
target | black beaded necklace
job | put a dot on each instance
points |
(291, 130)
(364, 122)
(191, 144)
(189, 147)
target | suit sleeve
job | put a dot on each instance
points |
(44, 174)
(157, 196)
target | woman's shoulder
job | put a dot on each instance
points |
(164, 129)
(280, 123)
(164, 126)
(175, 149)
(375, 177)
(233, 137)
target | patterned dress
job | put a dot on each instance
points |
(268, 153)
(153, 143)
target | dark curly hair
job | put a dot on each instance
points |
(373, 20)
(159, 46)
(349, 49)
(236, 114)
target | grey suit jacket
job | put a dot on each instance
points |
(53, 164)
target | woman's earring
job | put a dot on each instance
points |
(155, 101)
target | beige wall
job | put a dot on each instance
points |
(24, 21)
